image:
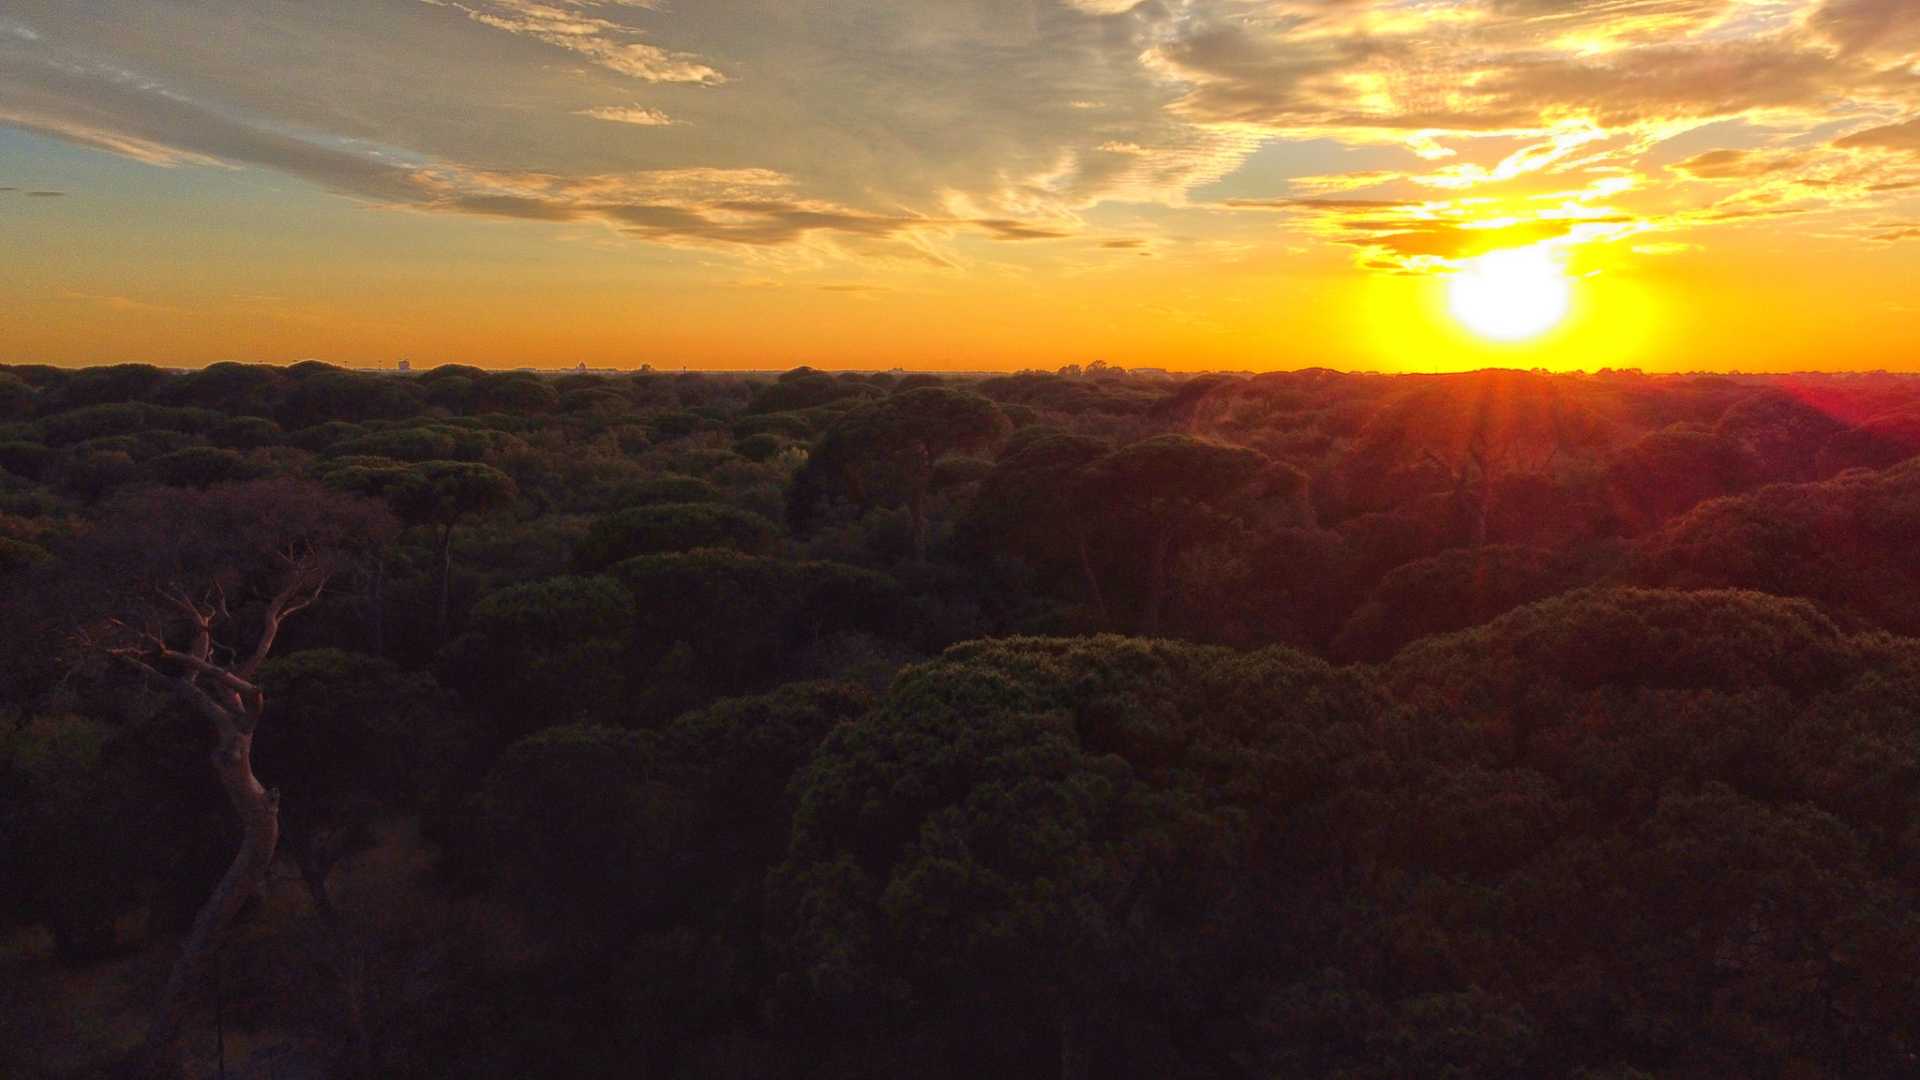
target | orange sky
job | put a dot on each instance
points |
(968, 184)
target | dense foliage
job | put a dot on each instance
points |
(1488, 725)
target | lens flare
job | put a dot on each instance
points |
(1511, 295)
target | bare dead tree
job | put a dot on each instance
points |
(169, 562)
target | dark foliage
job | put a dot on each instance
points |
(1493, 725)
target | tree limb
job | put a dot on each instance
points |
(284, 603)
(221, 675)
(185, 689)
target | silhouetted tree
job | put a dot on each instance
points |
(545, 653)
(1163, 491)
(344, 738)
(909, 432)
(1034, 504)
(442, 494)
(667, 527)
(1668, 472)
(1784, 432)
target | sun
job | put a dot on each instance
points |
(1511, 295)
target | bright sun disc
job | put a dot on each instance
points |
(1510, 295)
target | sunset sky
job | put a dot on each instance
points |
(970, 184)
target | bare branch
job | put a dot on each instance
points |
(145, 635)
(286, 602)
(177, 596)
(185, 689)
(195, 664)
(132, 659)
(307, 601)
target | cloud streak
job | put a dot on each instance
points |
(609, 43)
(637, 115)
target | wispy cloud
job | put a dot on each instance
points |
(638, 115)
(125, 304)
(745, 207)
(1903, 137)
(614, 45)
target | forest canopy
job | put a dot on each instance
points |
(1092, 723)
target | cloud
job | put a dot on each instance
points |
(1903, 136)
(1548, 111)
(1740, 164)
(122, 114)
(1003, 229)
(1312, 204)
(1375, 70)
(1868, 26)
(45, 194)
(1401, 237)
(1331, 183)
(638, 115)
(611, 44)
(729, 207)
(877, 104)
(1449, 241)
(120, 303)
(1414, 131)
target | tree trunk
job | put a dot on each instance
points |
(917, 508)
(1093, 579)
(445, 556)
(259, 811)
(1483, 504)
(1076, 1059)
(1157, 557)
(314, 870)
(1469, 506)
(377, 633)
(856, 490)
(1477, 514)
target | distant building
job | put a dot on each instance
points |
(406, 365)
(582, 368)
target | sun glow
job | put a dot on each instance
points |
(1511, 295)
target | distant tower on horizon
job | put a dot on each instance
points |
(406, 364)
